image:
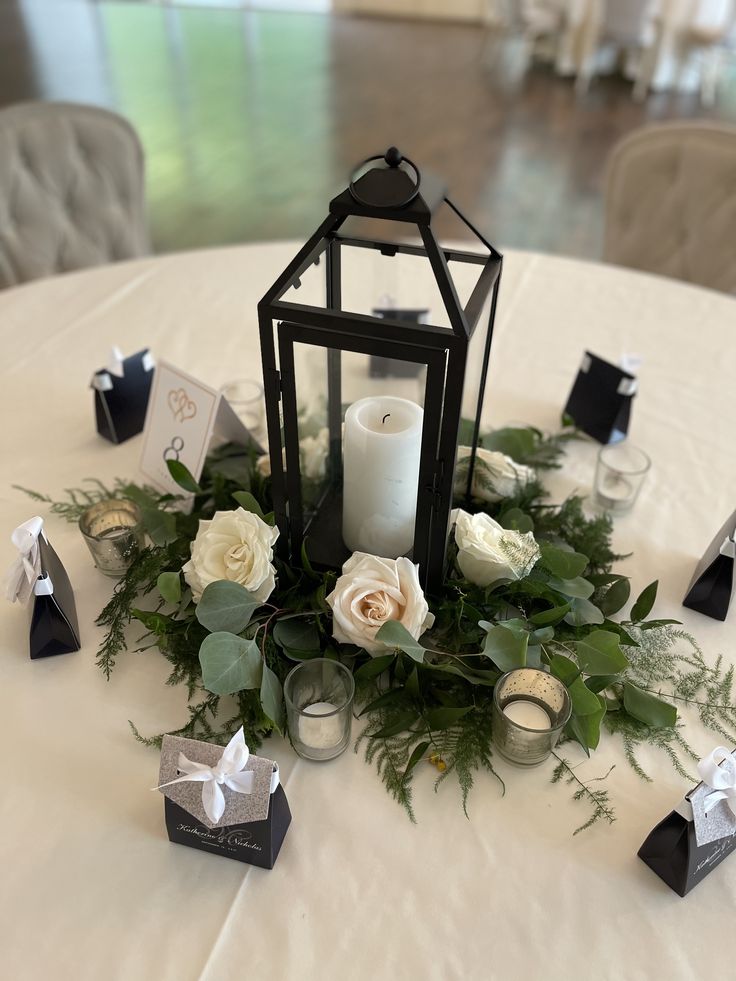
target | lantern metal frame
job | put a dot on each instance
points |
(444, 350)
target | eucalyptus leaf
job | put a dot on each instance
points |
(300, 636)
(157, 623)
(516, 443)
(562, 563)
(395, 634)
(647, 708)
(616, 597)
(564, 668)
(600, 653)
(577, 588)
(182, 476)
(229, 663)
(169, 585)
(505, 647)
(584, 701)
(643, 606)
(272, 697)
(583, 612)
(551, 616)
(227, 606)
(160, 525)
(586, 726)
(246, 501)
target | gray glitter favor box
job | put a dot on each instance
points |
(223, 800)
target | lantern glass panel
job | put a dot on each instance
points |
(359, 479)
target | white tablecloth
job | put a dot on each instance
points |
(91, 887)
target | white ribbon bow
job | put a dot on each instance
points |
(228, 771)
(26, 568)
(718, 771)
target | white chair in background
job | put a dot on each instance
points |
(629, 25)
(671, 202)
(712, 33)
(71, 190)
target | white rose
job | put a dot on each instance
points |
(495, 475)
(487, 552)
(235, 545)
(313, 452)
(372, 591)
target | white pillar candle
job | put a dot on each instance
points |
(318, 728)
(381, 455)
(527, 714)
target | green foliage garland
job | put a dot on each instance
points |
(427, 701)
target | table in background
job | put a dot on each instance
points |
(92, 888)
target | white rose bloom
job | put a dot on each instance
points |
(372, 591)
(235, 545)
(495, 475)
(487, 552)
(313, 452)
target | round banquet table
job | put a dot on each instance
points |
(92, 889)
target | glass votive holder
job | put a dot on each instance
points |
(619, 474)
(247, 400)
(113, 531)
(319, 708)
(530, 709)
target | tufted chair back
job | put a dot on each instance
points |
(71, 190)
(671, 202)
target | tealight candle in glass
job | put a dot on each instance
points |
(113, 531)
(247, 400)
(530, 709)
(319, 708)
(619, 474)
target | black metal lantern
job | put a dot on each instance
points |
(376, 473)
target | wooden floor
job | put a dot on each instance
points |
(252, 121)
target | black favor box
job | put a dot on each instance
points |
(671, 850)
(54, 625)
(600, 401)
(121, 403)
(711, 587)
(252, 826)
(256, 842)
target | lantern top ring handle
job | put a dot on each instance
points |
(393, 158)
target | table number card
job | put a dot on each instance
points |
(183, 416)
(600, 401)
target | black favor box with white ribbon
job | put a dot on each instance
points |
(38, 578)
(600, 401)
(121, 395)
(699, 833)
(253, 823)
(711, 587)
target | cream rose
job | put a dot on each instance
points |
(495, 475)
(372, 591)
(235, 545)
(313, 452)
(487, 552)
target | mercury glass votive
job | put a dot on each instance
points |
(113, 531)
(530, 709)
(319, 708)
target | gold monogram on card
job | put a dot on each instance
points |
(182, 407)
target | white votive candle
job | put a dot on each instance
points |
(318, 728)
(527, 714)
(381, 455)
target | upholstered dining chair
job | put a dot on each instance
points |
(71, 190)
(671, 202)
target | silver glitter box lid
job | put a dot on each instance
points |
(239, 808)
